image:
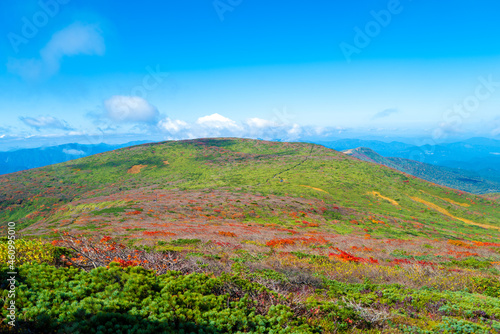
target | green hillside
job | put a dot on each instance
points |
(460, 179)
(360, 190)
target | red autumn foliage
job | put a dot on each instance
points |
(105, 239)
(344, 256)
(426, 263)
(136, 212)
(124, 263)
(292, 241)
(459, 254)
(280, 242)
(312, 240)
(310, 224)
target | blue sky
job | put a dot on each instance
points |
(154, 70)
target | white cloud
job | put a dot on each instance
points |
(259, 123)
(217, 121)
(75, 133)
(130, 109)
(46, 122)
(73, 40)
(319, 130)
(73, 152)
(172, 126)
(216, 125)
(295, 130)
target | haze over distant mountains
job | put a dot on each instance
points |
(461, 179)
(474, 154)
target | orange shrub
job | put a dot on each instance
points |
(227, 234)
(280, 242)
(310, 224)
(479, 243)
(344, 256)
(136, 212)
(461, 254)
(460, 243)
(312, 240)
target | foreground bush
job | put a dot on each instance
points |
(105, 287)
(134, 300)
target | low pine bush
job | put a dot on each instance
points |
(135, 300)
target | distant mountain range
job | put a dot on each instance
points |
(474, 153)
(18, 160)
(465, 180)
(475, 159)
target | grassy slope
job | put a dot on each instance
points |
(257, 167)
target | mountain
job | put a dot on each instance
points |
(240, 235)
(17, 160)
(244, 171)
(460, 179)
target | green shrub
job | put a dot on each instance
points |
(185, 241)
(471, 262)
(135, 300)
(332, 215)
(460, 326)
